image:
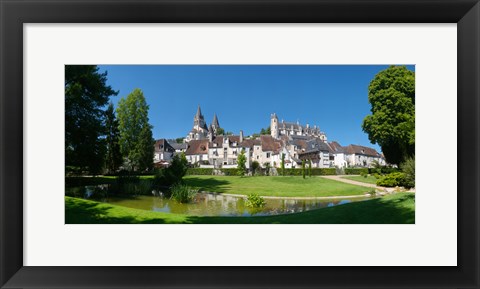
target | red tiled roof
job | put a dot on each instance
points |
(270, 144)
(197, 147)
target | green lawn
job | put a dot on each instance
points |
(392, 209)
(368, 179)
(289, 186)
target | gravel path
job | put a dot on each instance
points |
(340, 179)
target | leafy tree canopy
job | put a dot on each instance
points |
(392, 122)
(136, 138)
(113, 157)
(86, 95)
(266, 131)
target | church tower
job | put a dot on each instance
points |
(215, 125)
(200, 129)
(199, 121)
(274, 126)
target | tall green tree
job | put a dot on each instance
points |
(391, 123)
(136, 139)
(114, 157)
(241, 160)
(86, 95)
(303, 168)
(282, 164)
(309, 167)
(266, 131)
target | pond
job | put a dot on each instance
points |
(209, 204)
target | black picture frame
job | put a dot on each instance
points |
(466, 13)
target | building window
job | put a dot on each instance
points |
(268, 155)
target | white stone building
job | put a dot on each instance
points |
(223, 151)
(361, 156)
(283, 128)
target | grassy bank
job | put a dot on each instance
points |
(392, 209)
(368, 179)
(289, 186)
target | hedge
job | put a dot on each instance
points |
(199, 171)
(288, 172)
(356, 171)
(383, 170)
(229, 172)
(210, 171)
(315, 172)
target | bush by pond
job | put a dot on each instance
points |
(255, 201)
(182, 193)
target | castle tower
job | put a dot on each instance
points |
(274, 125)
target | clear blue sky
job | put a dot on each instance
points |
(334, 97)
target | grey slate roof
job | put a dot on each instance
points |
(179, 146)
(162, 145)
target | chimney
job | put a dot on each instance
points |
(241, 136)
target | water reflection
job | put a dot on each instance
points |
(207, 204)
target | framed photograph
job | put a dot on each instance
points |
(235, 198)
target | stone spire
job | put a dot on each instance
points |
(199, 113)
(215, 123)
(199, 121)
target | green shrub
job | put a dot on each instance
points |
(255, 201)
(408, 168)
(182, 193)
(356, 171)
(383, 170)
(392, 180)
(173, 174)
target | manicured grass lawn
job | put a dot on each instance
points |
(368, 179)
(392, 209)
(289, 186)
